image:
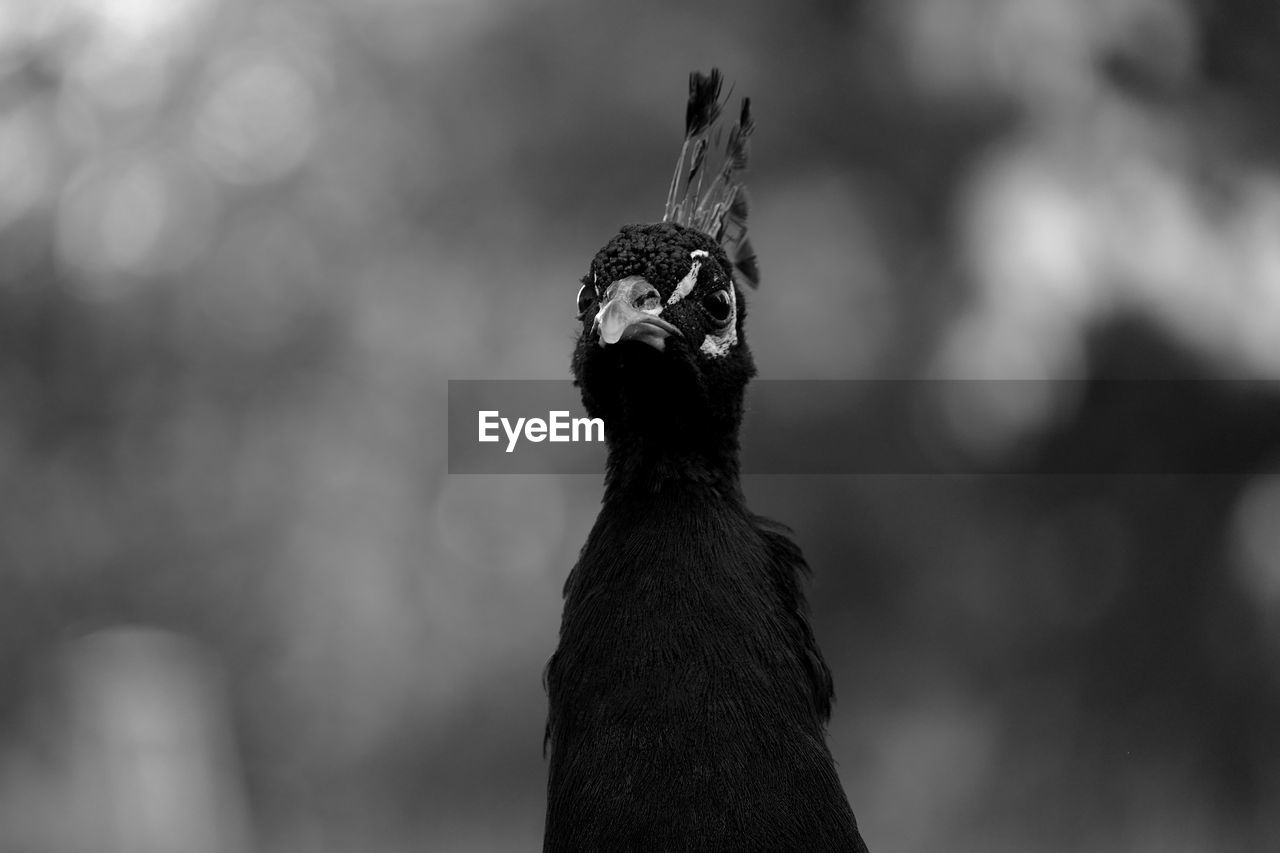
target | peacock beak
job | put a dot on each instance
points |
(630, 312)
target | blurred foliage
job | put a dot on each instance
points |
(244, 244)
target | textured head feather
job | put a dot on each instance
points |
(721, 210)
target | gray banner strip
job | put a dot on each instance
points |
(971, 427)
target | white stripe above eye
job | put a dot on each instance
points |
(691, 278)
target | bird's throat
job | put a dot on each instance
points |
(650, 463)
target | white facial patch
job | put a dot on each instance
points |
(718, 345)
(690, 279)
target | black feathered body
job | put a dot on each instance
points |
(688, 699)
(687, 694)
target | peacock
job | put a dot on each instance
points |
(688, 699)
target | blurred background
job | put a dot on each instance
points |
(244, 245)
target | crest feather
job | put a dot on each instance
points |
(745, 263)
(721, 210)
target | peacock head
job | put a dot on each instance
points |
(661, 350)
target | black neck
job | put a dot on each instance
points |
(648, 464)
(687, 682)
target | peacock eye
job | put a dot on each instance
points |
(720, 306)
(586, 298)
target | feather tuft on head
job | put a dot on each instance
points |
(721, 210)
(704, 102)
(744, 262)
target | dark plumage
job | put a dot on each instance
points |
(688, 698)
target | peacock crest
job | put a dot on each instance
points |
(717, 206)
